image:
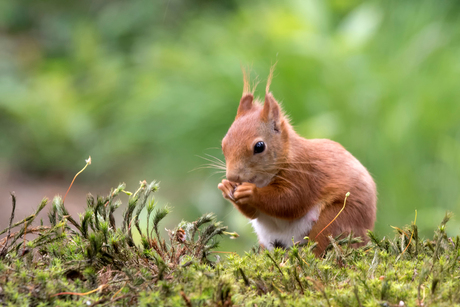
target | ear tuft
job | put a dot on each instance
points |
(246, 81)
(270, 78)
(245, 104)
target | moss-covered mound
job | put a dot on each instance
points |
(92, 261)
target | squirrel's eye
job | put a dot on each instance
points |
(259, 147)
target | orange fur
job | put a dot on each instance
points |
(293, 174)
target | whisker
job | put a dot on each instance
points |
(277, 175)
(292, 169)
(215, 166)
(288, 169)
(221, 170)
(294, 162)
(217, 159)
(213, 175)
(214, 157)
(296, 170)
(209, 160)
(284, 178)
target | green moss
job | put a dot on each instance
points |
(94, 262)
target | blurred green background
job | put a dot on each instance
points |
(145, 87)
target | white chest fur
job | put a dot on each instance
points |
(275, 232)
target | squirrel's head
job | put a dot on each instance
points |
(256, 144)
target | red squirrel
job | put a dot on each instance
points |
(291, 187)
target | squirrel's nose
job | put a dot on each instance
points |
(233, 177)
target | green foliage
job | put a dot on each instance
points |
(95, 263)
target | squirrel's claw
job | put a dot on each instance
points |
(234, 192)
(227, 187)
(245, 193)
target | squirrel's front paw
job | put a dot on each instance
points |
(245, 194)
(227, 187)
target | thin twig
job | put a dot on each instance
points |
(344, 203)
(298, 280)
(24, 244)
(412, 234)
(274, 262)
(355, 290)
(186, 299)
(320, 288)
(246, 280)
(116, 293)
(4, 249)
(100, 288)
(88, 162)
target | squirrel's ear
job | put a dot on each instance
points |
(271, 111)
(245, 104)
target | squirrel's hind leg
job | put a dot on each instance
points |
(347, 222)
